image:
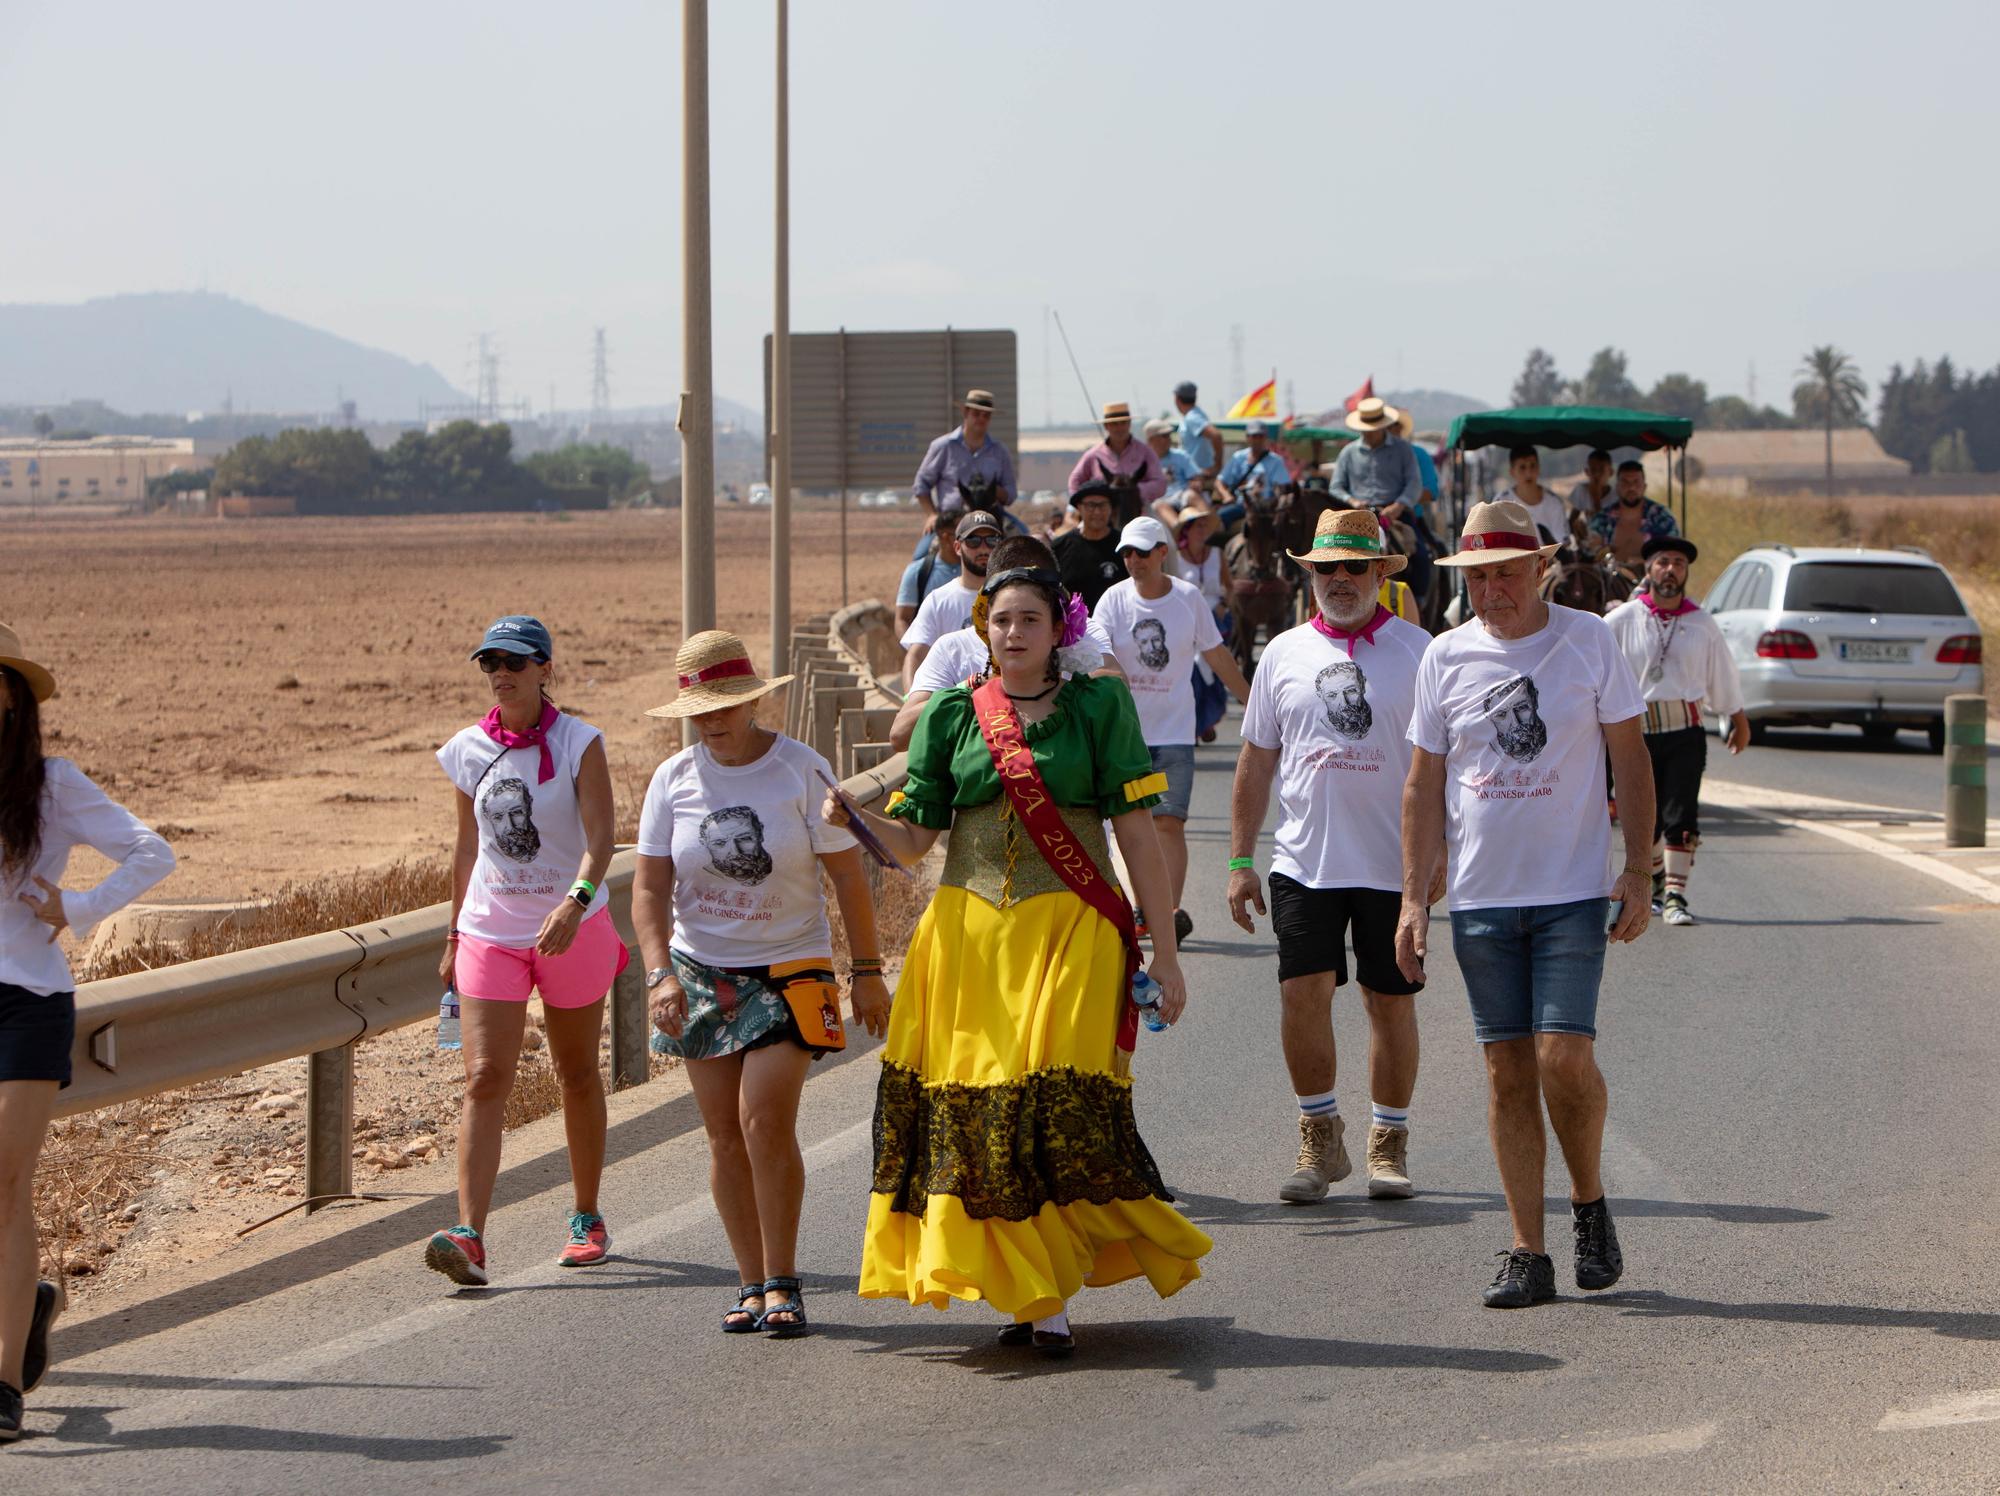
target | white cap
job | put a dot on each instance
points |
(1255, 428)
(1143, 534)
(1162, 427)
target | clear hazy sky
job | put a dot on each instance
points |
(1417, 191)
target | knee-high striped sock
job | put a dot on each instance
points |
(1322, 1105)
(1680, 862)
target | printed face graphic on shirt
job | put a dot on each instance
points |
(1343, 690)
(509, 810)
(1151, 636)
(735, 842)
(1514, 711)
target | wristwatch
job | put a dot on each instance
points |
(657, 975)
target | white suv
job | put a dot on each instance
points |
(1876, 638)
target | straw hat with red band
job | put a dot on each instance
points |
(1497, 532)
(14, 655)
(715, 674)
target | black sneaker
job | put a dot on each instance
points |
(1183, 925)
(1524, 1278)
(1599, 1263)
(35, 1359)
(10, 1414)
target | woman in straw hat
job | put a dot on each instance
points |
(732, 921)
(528, 913)
(1008, 1165)
(47, 806)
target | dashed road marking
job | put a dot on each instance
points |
(1944, 1412)
(1514, 1456)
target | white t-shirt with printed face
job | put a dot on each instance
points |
(947, 609)
(961, 654)
(745, 843)
(531, 841)
(1519, 724)
(1156, 641)
(1340, 722)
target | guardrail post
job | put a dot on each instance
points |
(329, 1123)
(1965, 771)
(629, 1063)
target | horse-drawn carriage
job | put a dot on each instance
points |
(1585, 574)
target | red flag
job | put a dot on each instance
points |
(1366, 392)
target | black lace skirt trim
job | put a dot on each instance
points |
(1058, 1135)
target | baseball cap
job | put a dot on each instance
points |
(517, 633)
(1184, 390)
(1143, 534)
(975, 521)
(1255, 428)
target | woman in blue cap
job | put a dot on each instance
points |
(527, 914)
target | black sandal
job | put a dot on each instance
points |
(752, 1318)
(794, 1306)
(1015, 1336)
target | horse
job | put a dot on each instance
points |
(1262, 581)
(1586, 575)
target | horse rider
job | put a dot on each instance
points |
(1203, 449)
(969, 465)
(1381, 473)
(1254, 463)
(1176, 464)
(1594, 492)
(1684, 668)
(1130, 467)
(1632, 520)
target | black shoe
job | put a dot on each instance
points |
(35, 1358)
(1056, 1345)
(1524, 1278)
(1183, 925)
(1599, 1263)
(1018, 1334)
(10, 1414)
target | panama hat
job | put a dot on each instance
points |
(715, 672)
(977, 400)
(1349, 535)
(1373, 414)
(13, 654)
(1498, 532)
(1115, 410)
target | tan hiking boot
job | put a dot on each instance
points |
(1389, 1164)
(1322, 1159)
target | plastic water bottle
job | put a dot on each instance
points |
(1146, 994)
(448, 1020)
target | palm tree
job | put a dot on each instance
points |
(1835, 387)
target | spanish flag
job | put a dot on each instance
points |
(1260, 404)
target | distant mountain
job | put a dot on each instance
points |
(184, 350)
(1434, 410)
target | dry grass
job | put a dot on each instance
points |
(92, 1168)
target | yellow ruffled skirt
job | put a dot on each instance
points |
(1008, 1166)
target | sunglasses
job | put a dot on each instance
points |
(979, 542)
(1352, 568)
(513, 664)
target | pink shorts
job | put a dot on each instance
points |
(575, 979)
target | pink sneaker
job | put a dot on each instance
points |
(459, 1254)
(589, 1241)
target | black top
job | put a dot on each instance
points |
(1089, 568)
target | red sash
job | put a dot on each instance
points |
(1014, 760)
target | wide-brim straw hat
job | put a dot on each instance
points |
(1349, 535)
(1192, 512)
(716, 674)
(1373, 414)
(1496, 532)
(14, 655)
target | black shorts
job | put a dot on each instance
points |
(36, 1032)
(1678, 760)
(1311, 926)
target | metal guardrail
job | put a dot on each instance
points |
(319, 996)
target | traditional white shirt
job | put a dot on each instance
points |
(1677, 656)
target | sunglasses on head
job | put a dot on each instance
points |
(1352, 568)
(513, 664)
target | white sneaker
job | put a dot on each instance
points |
(1678, 912)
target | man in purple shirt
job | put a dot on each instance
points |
(965, 467)
(1128, 466)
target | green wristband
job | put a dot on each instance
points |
(1242, 864)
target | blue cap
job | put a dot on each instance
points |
(517, 633)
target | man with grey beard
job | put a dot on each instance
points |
(1328, 719)
(510, 810)
(734, 838)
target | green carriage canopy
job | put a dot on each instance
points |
(1570, 426)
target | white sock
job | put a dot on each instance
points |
(1680, 862)
(1054, 1324)
(1392, 1116)
(1322, 1105)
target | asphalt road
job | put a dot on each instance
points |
(1803, 1157)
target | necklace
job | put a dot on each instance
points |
(1036, 697)
(1658, 672)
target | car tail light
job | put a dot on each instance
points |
(1786, 644)
(1959, 649)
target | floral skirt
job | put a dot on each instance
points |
(1008, 1165)
(733, 1010)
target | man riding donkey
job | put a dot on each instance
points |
(1130, 467)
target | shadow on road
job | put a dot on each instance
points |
(1850, 919)
(154, 1381)
(1351, 1215)
(1648, 1304)
(89, 1428)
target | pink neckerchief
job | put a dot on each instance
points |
(534, 737)
(1660, 612)
(1363, 635)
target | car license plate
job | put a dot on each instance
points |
(1875, 651)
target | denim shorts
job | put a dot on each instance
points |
(1533, 969)
(1176, 761)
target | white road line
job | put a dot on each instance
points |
(1944, 1412)
(1520, 1455)
(1988, 872)
(1757, 802)
(296, 1367)
(1934, 835)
